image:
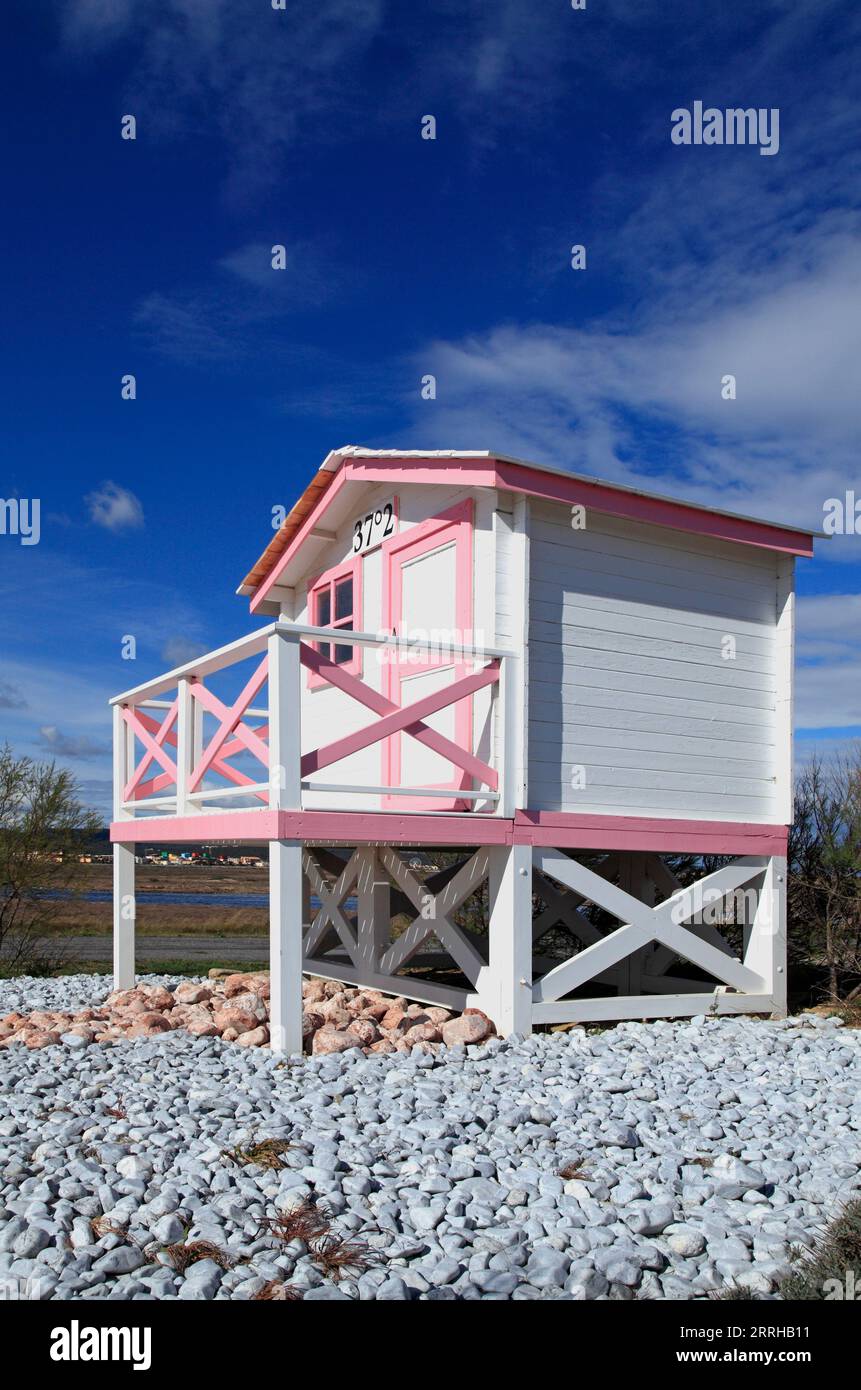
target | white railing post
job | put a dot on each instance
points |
(185, 721)
(121, 764)
(507, 738)
(285, 730)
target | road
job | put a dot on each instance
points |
(204, 948)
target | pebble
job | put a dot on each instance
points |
(704, 1153)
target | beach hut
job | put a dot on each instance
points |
(543, 688)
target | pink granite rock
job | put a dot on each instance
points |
(239, 1020)
(332, 1040)
(256, 1037)
(148, 1025)
(192, 994)
(364, 1030)
(472, 1027)
(423, 1032)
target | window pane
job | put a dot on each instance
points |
(343, 654)
(324, 607)
(344, 598)
(323, 649)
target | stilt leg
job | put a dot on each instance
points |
(765, 939)
(285, 945)
(375, 911)
(505, 988)
(124, 916)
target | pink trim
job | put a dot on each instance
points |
(143, 726)
(251, 826)
(300, 537)
(231, 723)
(164, 779)
(455, 523)
(354, 569)
(407, 719)
(565, 831)
(463, 472)
(516, 477)
(372, 700)
(519, 477)
(528, 827)
(341, 827)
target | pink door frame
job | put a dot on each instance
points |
(455, 524)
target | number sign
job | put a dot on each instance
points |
(372, 529)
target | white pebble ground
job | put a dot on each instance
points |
(699, 1153)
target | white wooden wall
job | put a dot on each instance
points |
(628, 679)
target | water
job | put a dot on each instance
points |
(187, 899)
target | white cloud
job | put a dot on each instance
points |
(178, 650)
(75, 746)
(115, 508)
(828, 661)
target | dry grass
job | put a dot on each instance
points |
(268, 1153)
(850, 1012)
(338, 1257)
(101, 1226)
(276, 1291)
(309, 1221)
(182, 1256)
(574, 1170)
(834, 1259)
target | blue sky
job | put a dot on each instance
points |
(406, 256)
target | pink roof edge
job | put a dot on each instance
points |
(493, 469)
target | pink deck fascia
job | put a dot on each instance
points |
(547, 828)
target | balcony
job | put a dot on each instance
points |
(225, 732)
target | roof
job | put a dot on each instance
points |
(520, 475)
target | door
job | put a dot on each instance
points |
(427, 593)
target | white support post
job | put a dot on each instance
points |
(509, 737)
(124, 916)
(375, 911)
(765, 938)
(121, 763)
(634, 880)
(285, 734)
(505, 985)
(184, 745)
(285, 946)
(784, 665)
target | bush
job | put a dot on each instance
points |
(44, 829)
(832, 1269)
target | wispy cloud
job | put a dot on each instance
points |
(115, 508)
(178, 650)
(71, 745)
(235, 306)
(11, 697)
(257, 77)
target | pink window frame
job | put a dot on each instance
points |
(427, 536)
(351, 568)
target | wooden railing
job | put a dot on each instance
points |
(165, 760)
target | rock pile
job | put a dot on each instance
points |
(235, 1008)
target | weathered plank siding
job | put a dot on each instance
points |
(633, 707)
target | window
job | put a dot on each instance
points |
(334, 600)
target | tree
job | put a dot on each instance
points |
(825, 868)
(44, 828)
